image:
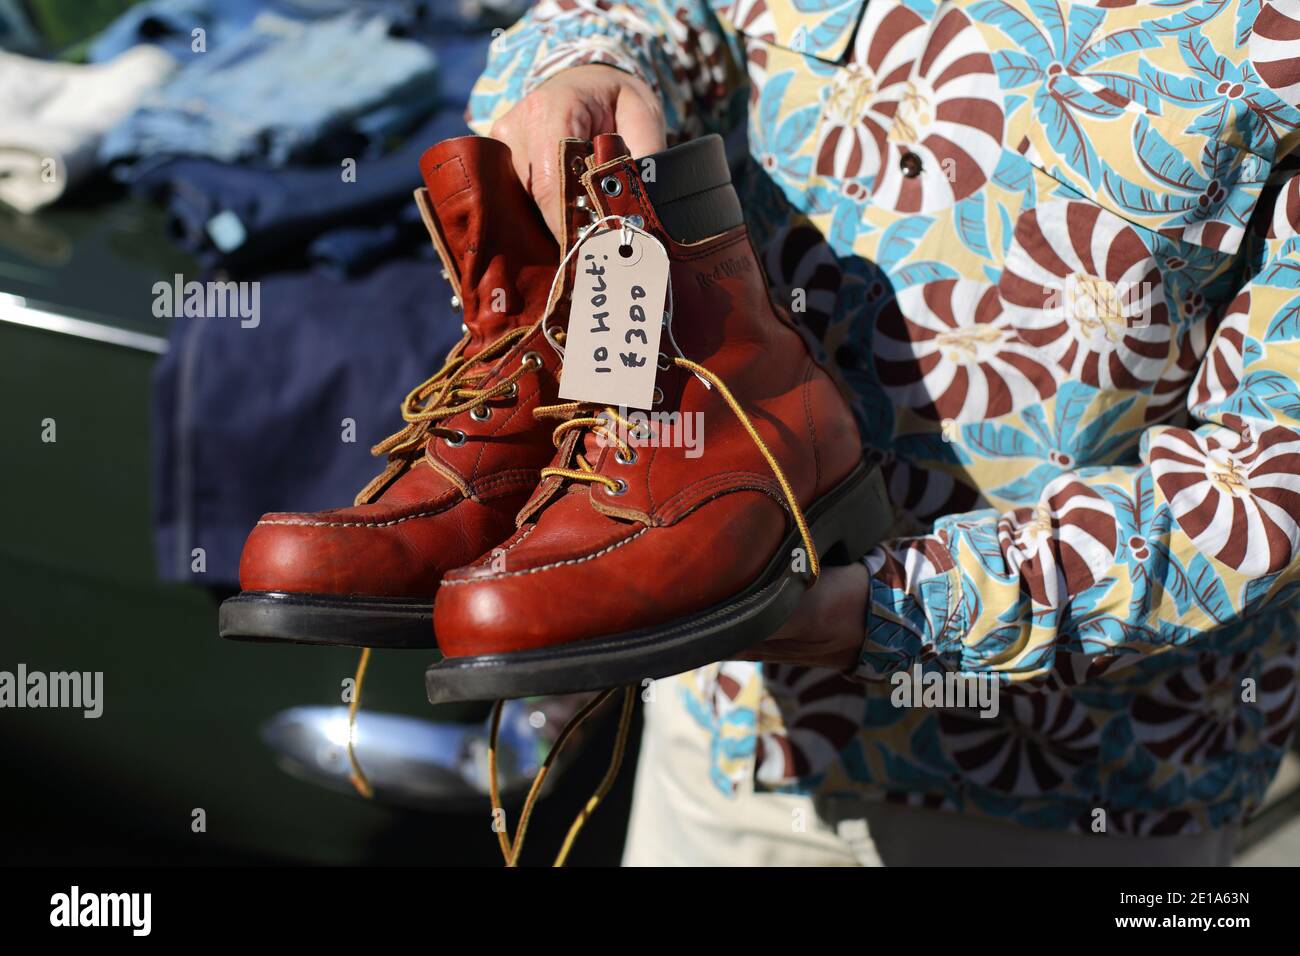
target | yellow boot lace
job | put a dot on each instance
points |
(511, 849)
(456, 387)
(611, 426)
(576, 415)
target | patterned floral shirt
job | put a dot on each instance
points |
(1053, 250)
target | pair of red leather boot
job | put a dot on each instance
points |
(560, 552)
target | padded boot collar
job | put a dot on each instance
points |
(689, 185)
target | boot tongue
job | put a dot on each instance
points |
(606, 147)
(489, 233)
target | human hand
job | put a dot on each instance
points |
(827, 629)
(579, 103)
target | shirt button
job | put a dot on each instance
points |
(910, 164)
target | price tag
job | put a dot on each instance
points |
(611, 351)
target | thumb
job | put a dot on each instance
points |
(639, 119)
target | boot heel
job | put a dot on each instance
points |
(855, 517)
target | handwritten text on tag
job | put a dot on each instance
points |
(611, 351)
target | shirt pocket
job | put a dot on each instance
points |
(1153, 162)
(791, 49)
(821, 29)
(826, 78)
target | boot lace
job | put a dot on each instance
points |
(610, 426)
(455, 388)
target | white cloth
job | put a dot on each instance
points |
(52, 116)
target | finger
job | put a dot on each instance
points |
(507, 132)
(640, 121)
(569, 119)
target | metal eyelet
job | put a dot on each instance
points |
(480, 413)
(629, 460)
(557, 333)
(620, 488)
(456, 440)
(455, 302)
(664, 362)
(657, 396)
(531, 360)
(464, 329)
(512, 392)
(611, 185)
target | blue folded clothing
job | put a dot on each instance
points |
(254, 419)
(170, 24)
(287, 90)
(248, 219)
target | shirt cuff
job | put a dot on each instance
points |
(903, 628)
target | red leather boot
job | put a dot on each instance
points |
(634, 559)
(467, 458)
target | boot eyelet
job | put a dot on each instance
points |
(481, 413)
(455, 302)
(531, 360)
(630, 459)
(455, 440)
(664, 362)
(619, 489)
(512, 392)
(611, 185)
(657, 396)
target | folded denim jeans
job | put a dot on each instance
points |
(282, 414)
(245, 219)
(287, 90)
(169, 24)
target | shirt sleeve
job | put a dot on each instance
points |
(678, 47)
(1117, 562)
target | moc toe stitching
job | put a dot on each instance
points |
(309, 522)
(485, 579)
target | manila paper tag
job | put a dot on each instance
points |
(611, 350)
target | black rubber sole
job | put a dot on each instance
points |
(331, 619)
(845, 523)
